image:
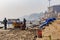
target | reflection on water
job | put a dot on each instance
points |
(8, 25)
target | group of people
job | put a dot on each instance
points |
(5, 23)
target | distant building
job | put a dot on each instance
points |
(53, 11)
(55, 8)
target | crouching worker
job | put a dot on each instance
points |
(5, 23)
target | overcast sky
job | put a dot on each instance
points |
(19, 8)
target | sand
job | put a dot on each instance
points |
(16, 34)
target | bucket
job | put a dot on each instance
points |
(39, 33)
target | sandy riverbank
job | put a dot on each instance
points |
(52, 30)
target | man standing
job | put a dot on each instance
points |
(5, 23)
(24, 26)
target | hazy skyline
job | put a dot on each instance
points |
(19, 8)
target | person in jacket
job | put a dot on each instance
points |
(24, 26)
(5, 23)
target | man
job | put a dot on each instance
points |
(24, 26)
(5, 23)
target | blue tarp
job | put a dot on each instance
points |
(50, 19)
(47, 21)
(44, 24)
